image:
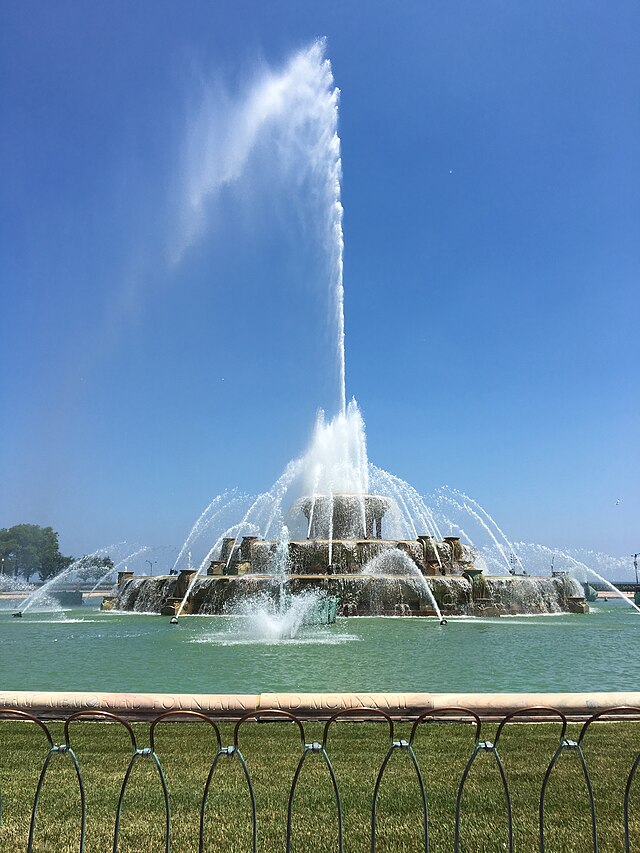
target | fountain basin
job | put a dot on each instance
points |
(357, 594)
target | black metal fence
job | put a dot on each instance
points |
(486, 819)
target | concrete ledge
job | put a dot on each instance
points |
(56, 705)
(315, 706)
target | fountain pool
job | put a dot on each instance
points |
(85, 649)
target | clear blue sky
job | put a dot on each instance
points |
(491, 158)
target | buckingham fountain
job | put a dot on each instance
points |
(334, 527)
(357, 541)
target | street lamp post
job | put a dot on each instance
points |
(151, 565)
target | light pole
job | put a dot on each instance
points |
(151, 565)
(635, 564)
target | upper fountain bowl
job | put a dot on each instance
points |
(344, 516)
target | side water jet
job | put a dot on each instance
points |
(128, 558)
(575, 568)
(491, 521)
(220, 504)
(390, 566)
(478, 518)
(44, 597)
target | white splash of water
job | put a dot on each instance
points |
(272, 620)
(336, 460)
(9, 583)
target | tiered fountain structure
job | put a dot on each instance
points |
(347, 558)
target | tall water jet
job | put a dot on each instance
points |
(294, 110)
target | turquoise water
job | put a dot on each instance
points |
(88, 650)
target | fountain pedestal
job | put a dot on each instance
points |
(344, 516)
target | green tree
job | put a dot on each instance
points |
(28, 549)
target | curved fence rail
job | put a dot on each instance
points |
(447, 780)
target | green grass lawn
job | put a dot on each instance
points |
(356, 750)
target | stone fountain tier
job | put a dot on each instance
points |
(344, 556)
(347, 556)
(360, 595)
(344, 516)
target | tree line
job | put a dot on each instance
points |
(28, 550)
